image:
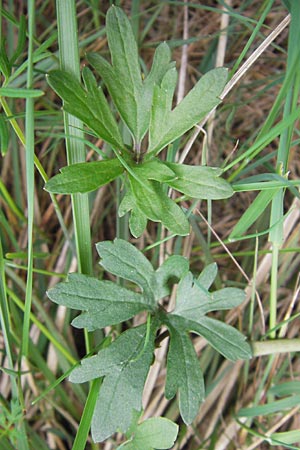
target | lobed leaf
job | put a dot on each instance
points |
(208, 275)
(170, 272)
(125, 365)
(154, 433)
(88, 105)
(104, 302)
(224, 338)
(190, 298)
(193, 300)
(131, 95)
(137, 220)
(184, 374)
(124, 260)
(167, 125)
(199, 181)
(84, 177)
(154, 169)
(158, 207)
(161, 107)
(161, 65)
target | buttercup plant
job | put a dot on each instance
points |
(126, 361)
(144, 105)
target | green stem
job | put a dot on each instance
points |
(29, 133)
(69, 61)
(273, 293)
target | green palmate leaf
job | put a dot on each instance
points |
(157, 206)
(224, 338)
(161, 108)
(167, 125)
(154, 169)
(161, 65)
(199, 181)
(89, 105)
(154, 433)
(104, 302)
(194, 300)
(184, 375)
(124, 260)
(131, 95)
(84, 177)
(208, 275)
(125, 365)
(137, 220)
(170, 272)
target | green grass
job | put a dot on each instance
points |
(43, 237)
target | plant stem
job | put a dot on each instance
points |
(69, 60)
(275, 346)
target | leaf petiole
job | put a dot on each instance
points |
(147, 337)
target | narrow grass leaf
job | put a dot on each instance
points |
(252, 213)
(4, 135)
(270, 408)
(6, 323)
(30, 145)
(286, 438)
(287, 388)
(86, 418)
(5, 66)
(20, 93)
(21, 40)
